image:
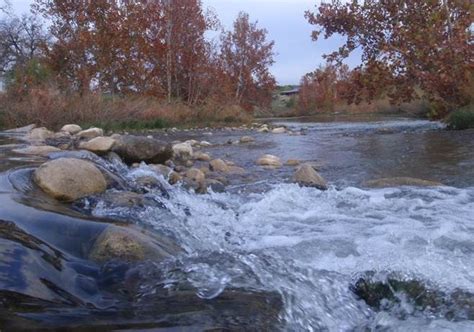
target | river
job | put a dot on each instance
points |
(302, 247)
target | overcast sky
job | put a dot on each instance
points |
(297, 54)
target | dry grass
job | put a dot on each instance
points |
(51, 108)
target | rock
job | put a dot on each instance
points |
(236, 170)
(263, 129)
(389, 292)
(201, 156)
(195, 174)
(182, 151)
(246, 139)
(269, 160)
(39, 134)
(215, 185)
(218, 165)
(129, 245)
(306, 176)
(205, 144)
(292, 162)
(385, 130)
(71, 129)
(401, 181)
(137, 149)
(147, 181)
(174, 178)
(162, 170)
(68, 179)
(192, 142)
(99, 145)
(122, 199)
(90, 133)
(279, 130)
(40, 150)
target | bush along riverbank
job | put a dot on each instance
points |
(462, 118)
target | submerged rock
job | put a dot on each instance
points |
(269, 160)
(279, 130)
(40, 150)
(246, 139)
(68, 179)
(162, 170)
(174, 178)
(390, 292)
(401, 181)
(218, 165)
(90, 133)
(71, 129)
(130, 245)
(293, 162)
(134, 149)
(99, 145)
(306, 176)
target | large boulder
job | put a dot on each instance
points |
(401, 181)
(183, 151)
(306, 176)
(71, 129)
(68, 179)
(99, 145)
(90, 133)
(130, 245)
(269, 161)
(135, 149)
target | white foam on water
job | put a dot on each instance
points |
(308, 245)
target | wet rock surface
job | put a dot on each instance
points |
(306, 176)
(264, 255)
(68, 179)
(137, 149)
(394, 292)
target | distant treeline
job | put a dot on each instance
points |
(148, 49)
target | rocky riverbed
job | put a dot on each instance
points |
(337, 225)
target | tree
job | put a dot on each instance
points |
(323, 89)
(246, 56)
(21, 39)
(144, 47)
(405, 45)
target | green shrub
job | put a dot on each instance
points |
(462, 118)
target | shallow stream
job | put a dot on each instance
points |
(300, 249)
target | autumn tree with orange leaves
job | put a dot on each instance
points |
(406, 46)
(324, 89)
(246, 56)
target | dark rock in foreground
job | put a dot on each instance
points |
(391, 292)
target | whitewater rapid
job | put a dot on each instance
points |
(310, 245)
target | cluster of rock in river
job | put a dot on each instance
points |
(69, 179)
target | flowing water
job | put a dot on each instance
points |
(265, 235)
